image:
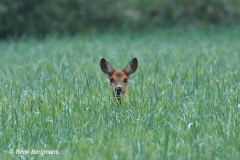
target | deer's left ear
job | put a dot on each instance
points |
(131, 67)
(106, 67)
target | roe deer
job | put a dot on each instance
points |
(119, 78)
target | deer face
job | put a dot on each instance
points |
(119, 78)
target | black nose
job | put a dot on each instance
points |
(118, 90)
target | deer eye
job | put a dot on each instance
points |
(125, 80)
(111, 80)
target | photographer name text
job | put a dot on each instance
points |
(33, 151)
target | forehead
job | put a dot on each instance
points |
(118, 74)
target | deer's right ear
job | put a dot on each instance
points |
(106, 67)
(131, 67)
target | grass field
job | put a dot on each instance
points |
(184, 96)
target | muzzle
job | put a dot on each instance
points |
(118, 90)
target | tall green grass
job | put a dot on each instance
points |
(183, 98)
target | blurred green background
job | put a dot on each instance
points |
(67, 17)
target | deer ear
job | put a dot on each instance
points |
(131, 67)
(106, 67)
